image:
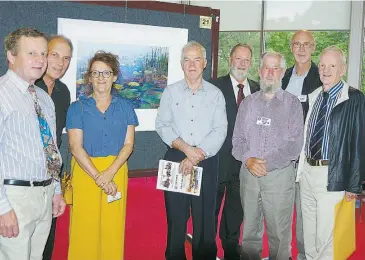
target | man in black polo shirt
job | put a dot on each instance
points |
(59, 57)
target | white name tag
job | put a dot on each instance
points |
(117, 196)
(263, 121)
(302, 98)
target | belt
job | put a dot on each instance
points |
(28, 183)
(313, 162)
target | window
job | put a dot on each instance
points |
(279, 41)
(227, 40)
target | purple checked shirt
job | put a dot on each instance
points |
(278, 143)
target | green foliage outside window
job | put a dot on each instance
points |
(280, 42)
(227, 40)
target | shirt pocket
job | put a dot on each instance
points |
(178, 107)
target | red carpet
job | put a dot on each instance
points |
(146, 227)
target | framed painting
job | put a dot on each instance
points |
(149, 58)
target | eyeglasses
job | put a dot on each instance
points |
(298, 45)
(96, 74)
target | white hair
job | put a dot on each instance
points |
(334, 48)
(193, 44)
(274, 54)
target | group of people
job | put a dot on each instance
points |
(293, 138)
(34, 109)
(296, 137)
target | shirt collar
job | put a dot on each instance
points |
(235, 82)
(202, 88)
(40, 83)
(335, 89)
(20, 83)
(295, 72)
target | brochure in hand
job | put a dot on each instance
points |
(170, 179)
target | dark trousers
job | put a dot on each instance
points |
(232, 213)
(48, 250)
(202, 209)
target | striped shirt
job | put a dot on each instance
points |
(334, 94)
(21, 149)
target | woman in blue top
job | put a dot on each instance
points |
(101, 135)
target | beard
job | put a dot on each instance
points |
(269, 88)
(238, 74)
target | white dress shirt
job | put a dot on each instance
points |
(246, 88)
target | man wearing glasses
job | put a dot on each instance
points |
(300, 80)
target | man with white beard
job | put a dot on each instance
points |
(235, 87)
(267, 139)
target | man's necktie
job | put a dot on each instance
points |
(49, 146)
(317, 136)
(240, 95)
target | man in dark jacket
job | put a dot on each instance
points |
(59, 57)
(234, 86)
(331, 165)
(300, 80)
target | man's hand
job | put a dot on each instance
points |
(104, 178)
(194, 154)
(9, 225)
(256, 167)
(186, 166)
(110, 189)
(59, 205)
(350, 196)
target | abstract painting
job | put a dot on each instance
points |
(143, 72)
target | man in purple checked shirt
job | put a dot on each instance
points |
(267, 138)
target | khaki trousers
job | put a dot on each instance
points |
(273, 197)
(33, 208)
(318, 211)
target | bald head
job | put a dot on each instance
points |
(302, 46)
(60, 39)
(308, 35)
(59, 56)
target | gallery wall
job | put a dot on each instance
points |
(43, 15)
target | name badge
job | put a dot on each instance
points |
(302, 98)
(263, 121)
(117, 196)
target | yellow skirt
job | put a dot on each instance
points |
(96, 226)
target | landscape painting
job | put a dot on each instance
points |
(149, 60)
(143, 71)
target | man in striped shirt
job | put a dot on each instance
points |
(331, 165)
(27, 188)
